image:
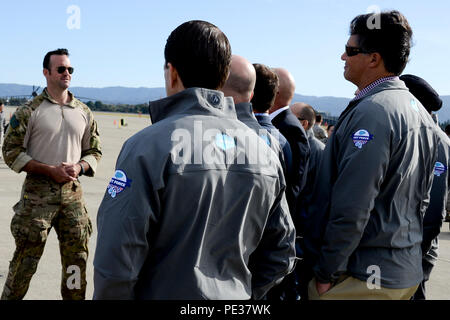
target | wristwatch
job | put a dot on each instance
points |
(82, 169)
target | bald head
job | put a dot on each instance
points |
(286, 89)
(241, 81)
(305, 114)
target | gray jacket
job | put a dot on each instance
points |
(244, 112)
(189, 214)
(373, 190)
(435, 213)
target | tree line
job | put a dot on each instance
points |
(93, 105)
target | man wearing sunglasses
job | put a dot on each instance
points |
(54, 139)
(364, 228)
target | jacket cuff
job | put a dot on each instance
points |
(322, 277)
(20, 162)
(90, 159)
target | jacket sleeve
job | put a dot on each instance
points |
(360, 173)
(435, 214)
(91, 148)
(14, 152)
(274, 257)
(124, 222)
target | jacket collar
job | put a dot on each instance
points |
(193, 101)
(244, 111)
(393, 84)
(73, 101)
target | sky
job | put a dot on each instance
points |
(121, 43)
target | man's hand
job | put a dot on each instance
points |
(72, 169)
(56, 173)
(322, 287)
(59, 174)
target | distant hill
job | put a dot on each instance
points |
(107, 95)
(332, 105)
(124, 95)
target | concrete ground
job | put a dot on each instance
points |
(45, 284)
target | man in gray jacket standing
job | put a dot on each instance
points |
(364, 229)
(196, 207)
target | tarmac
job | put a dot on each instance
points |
(45, 284)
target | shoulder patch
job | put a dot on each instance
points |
(439, 169)
(118, 183)
(265, 138)
(361, 137)
(224, 141)
(14, 122)
(414, 105)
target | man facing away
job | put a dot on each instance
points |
(240, 86)
(319, 132)
(364, 228)
(285, 121)
(307, 117)
(189, 213)
(435, 214)
(54, 138)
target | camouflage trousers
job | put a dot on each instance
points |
(45, 204)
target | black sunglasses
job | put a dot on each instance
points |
(62, 69)
(353, 51)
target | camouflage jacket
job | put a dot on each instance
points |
(15, 151)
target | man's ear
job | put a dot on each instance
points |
(46, 72)
(174, 78)
(375, 60)
(251, 95)
(304, 123)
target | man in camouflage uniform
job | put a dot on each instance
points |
(54, 139)
(2, 123)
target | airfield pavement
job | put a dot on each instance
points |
(45, 284)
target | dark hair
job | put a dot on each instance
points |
(318, 117)
(391, 38)
(447, 129)
(58, 52)
(201, 54)
(266, 88)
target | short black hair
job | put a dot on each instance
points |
(391, 38)
(59, 52)
(266, 88)
(318, 117)
(201, 54)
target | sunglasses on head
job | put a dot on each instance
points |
(353, 51)
(63, 69)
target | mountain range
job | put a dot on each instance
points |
(124, 95)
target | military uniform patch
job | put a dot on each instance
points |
(118, 183)
(13, 122)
